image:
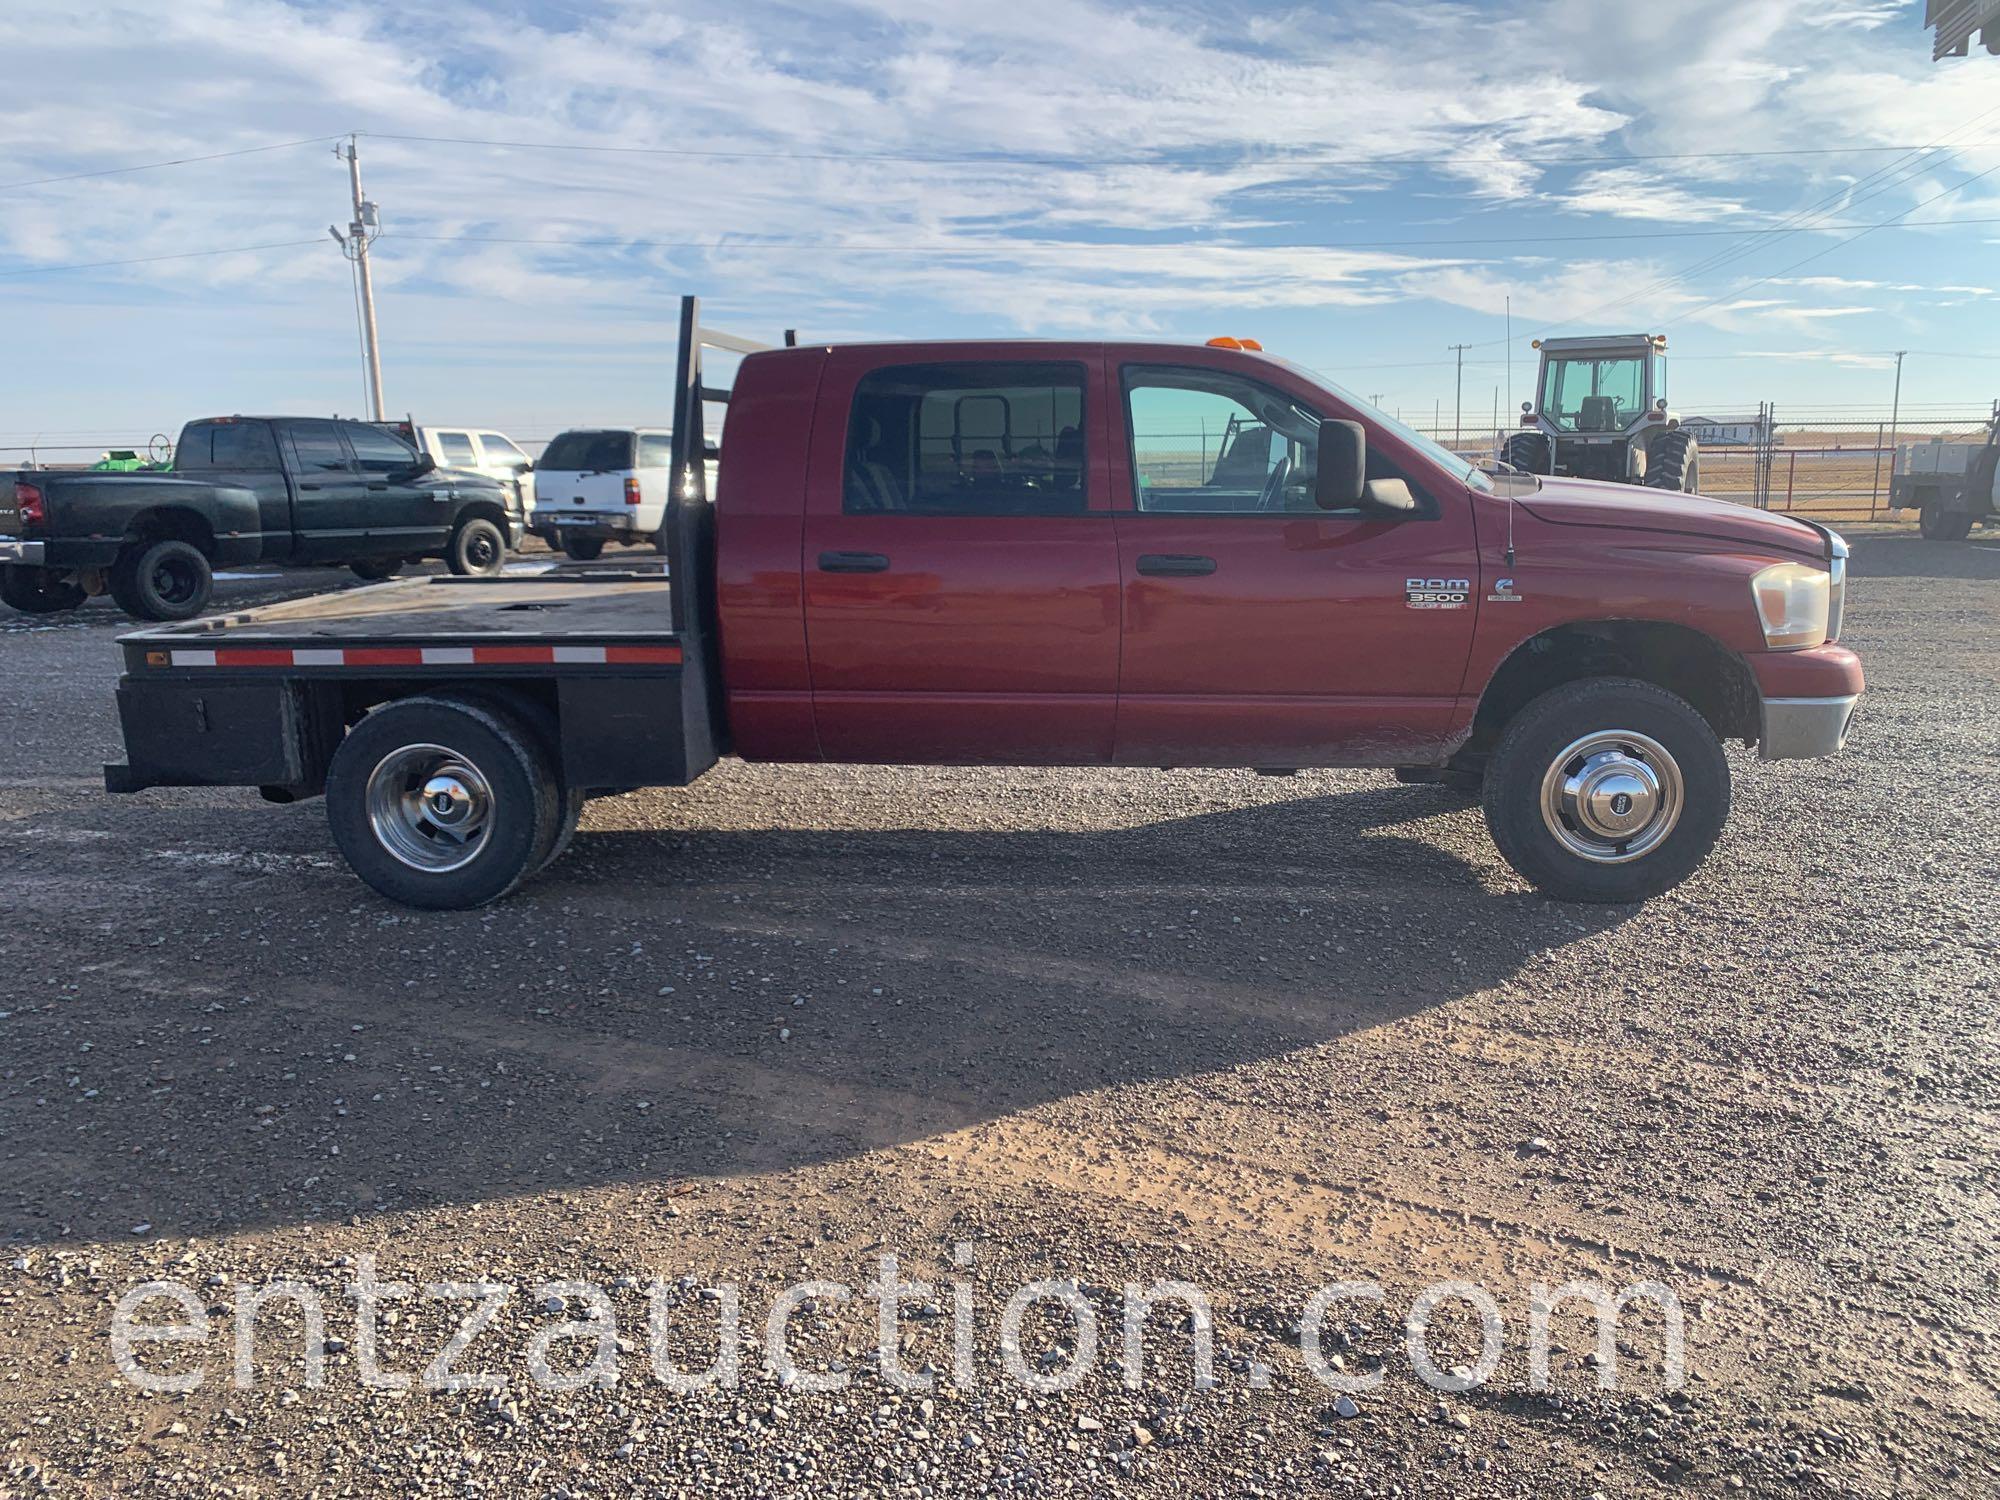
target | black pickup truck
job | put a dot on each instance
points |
(290, 490)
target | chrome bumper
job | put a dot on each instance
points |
(28, 553)
(1800, 728)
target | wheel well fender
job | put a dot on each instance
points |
(481, 510)
(176, 522)
(1713, 679)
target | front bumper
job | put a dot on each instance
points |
(1801, 728)
(28, 554)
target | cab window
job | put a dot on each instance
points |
(456, 447)
(379, 452)
(1207, 442)
(971, 439)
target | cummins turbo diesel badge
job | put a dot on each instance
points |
(1437, 593)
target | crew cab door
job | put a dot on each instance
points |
(405, 513)
(329, 509)
(960, 566)
(1260, 630)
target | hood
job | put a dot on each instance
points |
(1630, 507)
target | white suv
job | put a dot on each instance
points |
(603, 484)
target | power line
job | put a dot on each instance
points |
(984, 247)
(143, 260)
(175, 161)
(1002, 158)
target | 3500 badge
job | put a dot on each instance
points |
(1437, 593)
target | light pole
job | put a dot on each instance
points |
(1896, 402)
(361, 232)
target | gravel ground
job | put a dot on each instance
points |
(1257, 1035)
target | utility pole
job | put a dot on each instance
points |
(1896, 402)
(361, 231)
(1458, 404)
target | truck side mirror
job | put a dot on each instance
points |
(1343, 465)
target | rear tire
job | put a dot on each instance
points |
(1943, 525)
(478, 549)
(1529, 452)
(1673, 462)
(1606, 790)
(162, 580)
(38, 591)
(374, 570)
(442, 803)
(583, 548)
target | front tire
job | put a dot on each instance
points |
(443, 803)
(38, 591)
(478, 549)
(583, 548)
(375, 569)
(162, 580)
(1673, 462)
(1606, 790)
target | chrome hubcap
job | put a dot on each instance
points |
(429, 807)
(1612, 796)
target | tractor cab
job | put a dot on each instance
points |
(1601, 413)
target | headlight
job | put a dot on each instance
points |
(1794, 601)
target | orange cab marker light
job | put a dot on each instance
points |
(1251, 344)
(1225, 343)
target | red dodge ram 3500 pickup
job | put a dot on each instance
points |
(1052, 554)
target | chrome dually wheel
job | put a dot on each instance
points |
(429, 807)
(1612, 796)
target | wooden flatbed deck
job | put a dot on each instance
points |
(553, 606)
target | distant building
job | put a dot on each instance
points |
(1957, 22)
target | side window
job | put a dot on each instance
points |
(967, 439)
(380, 452)
(227, 445)
(656, 451)
(1207, 442)
(320, 448)
(500, 452)
(456, 447)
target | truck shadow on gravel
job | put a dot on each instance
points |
(1914, 557)
(380, 1060)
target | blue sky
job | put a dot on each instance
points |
(1358, 185)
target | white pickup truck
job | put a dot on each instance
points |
(1950, 485)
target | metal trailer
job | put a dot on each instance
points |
(1951, 486)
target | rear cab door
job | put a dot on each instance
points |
(960, 563)
(1260, 630)
(329, 514)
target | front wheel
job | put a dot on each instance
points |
(1606, 790)
(443, 803)
(38, 591)
(375, 569)
(162, 580)
(478, 549)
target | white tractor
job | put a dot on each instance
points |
(1602, 414)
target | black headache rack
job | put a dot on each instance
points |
(263, 697)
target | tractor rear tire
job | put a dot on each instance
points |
(1674, 462)
(1529, 452)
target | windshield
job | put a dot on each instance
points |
(1594, 395)
(1461, 468)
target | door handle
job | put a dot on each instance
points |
(1174, 565)
(853, 562)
